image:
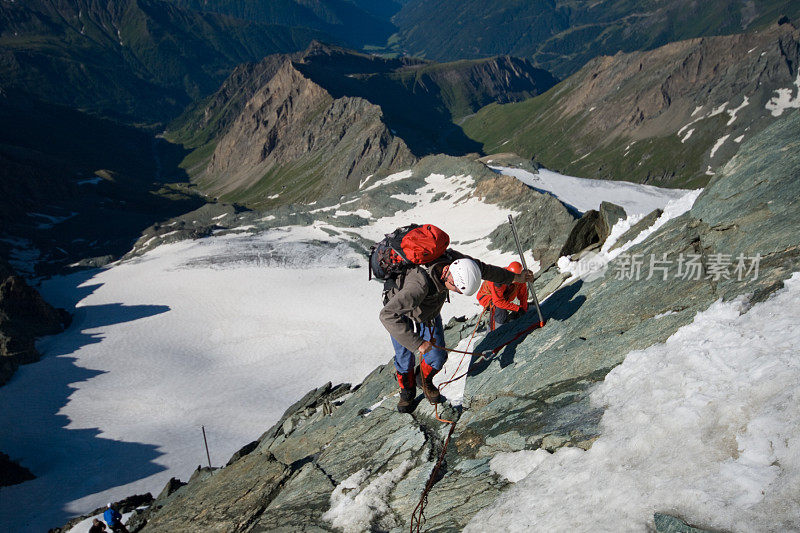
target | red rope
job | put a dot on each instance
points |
(418, 516)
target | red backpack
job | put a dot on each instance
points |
(405, 247)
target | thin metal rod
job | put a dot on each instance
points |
(208, 456)
(522, 260)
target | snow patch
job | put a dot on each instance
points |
(732, 112)
(363, 182)
(584, 194)
(515, 466)
(718, 144)
(363, 213)
(356, 508)
(688, 134)
(662, 315)
(717, 110)
(784, 100)
(398, 176)
(51, 220)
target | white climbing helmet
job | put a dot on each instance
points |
(466, 276)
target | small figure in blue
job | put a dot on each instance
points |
(114, 520)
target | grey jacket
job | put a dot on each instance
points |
(419, 295)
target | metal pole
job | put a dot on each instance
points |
(524, 266)
(206, 443)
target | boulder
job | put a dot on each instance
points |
(669, 524)
(585, 233)
(610, 214)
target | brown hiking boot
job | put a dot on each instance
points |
(426, 374)
(408, 392)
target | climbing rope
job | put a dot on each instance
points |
(418, 516)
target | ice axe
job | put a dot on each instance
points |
(522, 260)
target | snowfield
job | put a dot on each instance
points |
(224, 332)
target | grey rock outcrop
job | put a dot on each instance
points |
(24, 316)
(670, 524)
(610, 214)
(593, 227)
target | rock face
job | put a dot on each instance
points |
(298, 127)
(294, 138)
(12, 473)
(24, 315)
(338, 441)
(593, 227)
(670, 116)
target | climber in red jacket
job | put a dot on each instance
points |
(499, 299)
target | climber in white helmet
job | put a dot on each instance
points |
(413, 300)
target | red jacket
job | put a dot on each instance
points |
(503, 296)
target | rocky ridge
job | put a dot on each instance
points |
(355, 116)
(533, 394)
(335, 143)
(670, 116)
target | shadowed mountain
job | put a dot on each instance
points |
(139, 60)
(75, 186)
(671, 116)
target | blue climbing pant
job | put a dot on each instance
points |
(404, 359)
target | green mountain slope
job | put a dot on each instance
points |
(670, 116)
(562, 35)
(139, 60)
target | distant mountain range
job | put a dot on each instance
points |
(671, 116)
(562, 35)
